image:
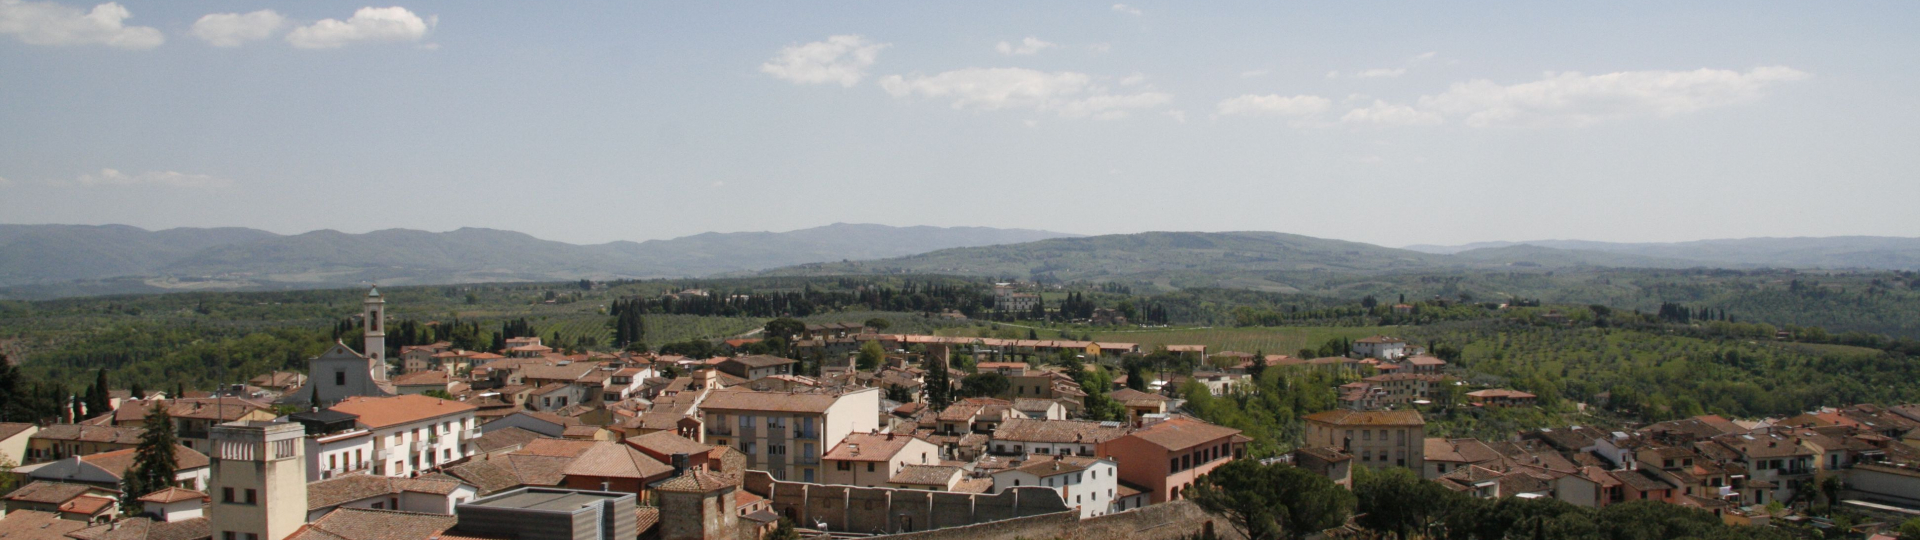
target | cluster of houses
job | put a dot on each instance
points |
(529, 442)
(441, 442)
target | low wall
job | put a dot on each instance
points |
(1168, 521)
(875, 510)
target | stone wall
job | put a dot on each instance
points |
(1168, 521)
(876, 510)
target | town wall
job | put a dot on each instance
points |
(877, 510)
(1168, 521)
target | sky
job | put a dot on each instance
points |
(1392, 123)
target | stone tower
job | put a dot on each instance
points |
(376, 332)
(259, 480)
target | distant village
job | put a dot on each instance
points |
(527, 442)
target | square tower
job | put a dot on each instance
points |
(259, 485)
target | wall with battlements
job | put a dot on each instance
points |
(875, 510)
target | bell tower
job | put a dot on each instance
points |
(376, 333)
(259, 480)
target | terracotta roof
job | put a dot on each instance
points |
(365, 524)
(9, 429)
(926, 475)
(48, 492)
(1057, 431)
(82, 433)
(1500, 393)
(1180, 433)
(1459, 451)
(380, 412)
(86, 505)
(147, 529)
(37, 525)
(698, 481)
(667, 443)
(609, 459)
(353, 487)
(1129, 395)
(768, 401)
(503, 439)
(868, 447)
(117, 462)
(1379, 339)
(760, 361)
(1424, 360)
(172, 495)
(487, 476)
(1057, 466)
(422, 378)
(1343, 417)
(567, 448)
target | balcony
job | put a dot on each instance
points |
(420, 446)
(720, 430)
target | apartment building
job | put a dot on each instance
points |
(786, 433)
(871, 459)
(1164, 458)
(412, 433)
(1374, 438)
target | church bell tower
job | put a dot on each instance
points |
(376, 333)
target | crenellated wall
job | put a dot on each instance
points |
(876, 510)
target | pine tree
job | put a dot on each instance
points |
(153, 461)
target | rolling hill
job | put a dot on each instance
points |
(1836, 252)
(65, 260)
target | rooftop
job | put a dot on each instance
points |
(381, 412)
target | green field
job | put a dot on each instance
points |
(1271, 340)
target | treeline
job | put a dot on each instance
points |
(154, 356)
(971, 299)
(1397, 502)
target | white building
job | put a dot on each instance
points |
(1380, 347)
(341, 373)
(1090, 484)
(412, 433)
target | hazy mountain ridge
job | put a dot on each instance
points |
(1835, 252)
(55, 256)
(1226, 259)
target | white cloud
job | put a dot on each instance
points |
(367, 25)
(842, 59)
(1379, 73)
(233, 29)
(1376, 73)
(1251, 73)
(1571, 98)
(1130, 10)
(1177, 115)
(1135, 79)
(48, 23)
(1274, 104)
(1385, 113)
(114, 178)
(1030, 45)
(1069, 94)
(1100, 47)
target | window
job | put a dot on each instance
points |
(776, 449)
(340, 377)
(252, 497)
(1366, 435)
(842, 465)
(869, 466)
(746, 422)
(1173, 465)
(228, 535)
(226, 495)
(379, 506)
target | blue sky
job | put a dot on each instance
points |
(1391, 123)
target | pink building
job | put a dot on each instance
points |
(1164, 458)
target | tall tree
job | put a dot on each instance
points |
(153, 461)
(870, 357)
(1272, 502)
(99, 400)
(939, 385)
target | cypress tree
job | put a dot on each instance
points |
(153, 461)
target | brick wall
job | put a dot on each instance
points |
(878, 510)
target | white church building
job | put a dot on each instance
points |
(341, 373)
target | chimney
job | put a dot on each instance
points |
(889, 435)
(679, 464)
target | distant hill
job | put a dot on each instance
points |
(1532, 255)
(62, 260)
(1837, 252)
(1144, 254)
